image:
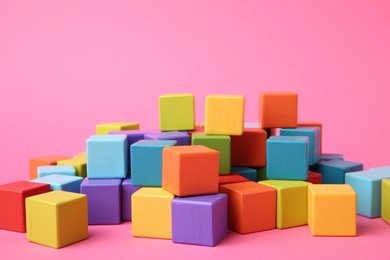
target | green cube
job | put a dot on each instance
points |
(177, 112)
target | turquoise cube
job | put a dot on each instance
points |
(287, 157)
(146, 162)
(249, 173)
(368, 188)
(61, 182)
(107, 156)
(314, 135)
(56, 169)
(333, 171)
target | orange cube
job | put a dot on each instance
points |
(248, 149)
(190, 170)
(44, 161)
(278, 110)
(313, 124)
(251, 206)
(231, 178)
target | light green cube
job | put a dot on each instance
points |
(385, 207)
(177, 112)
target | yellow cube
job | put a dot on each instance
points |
(152, 213)
(224, 114)
(332, 210)
(385, 202)
(104, 129)
(177, 112)
(57, 219)
(79, 163)
(291, 208)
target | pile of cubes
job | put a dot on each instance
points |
(191, 183)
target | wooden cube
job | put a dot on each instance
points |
(105, 129)
(177, 112)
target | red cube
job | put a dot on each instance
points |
(314, 177)
(249, 149)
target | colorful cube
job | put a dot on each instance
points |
(190, 170)
(333, 171)
(248, 173)
(287, 157)
(61, 182)
(278, 110)
(104, 129)
(291, 202)
(107, 156)
(12, 203)
(314, 135)
(385, 202)
(224, 114)
(56, 169)
(152, 213)
(367, 185)
(181, 138)
(57, 219)
(177, 112)
(332, 210)
(104, 200)
(43, 161)
(133, 136)
(249, 149)
(146, 162)
(127, 191)
(220, 143)
(251, 207)
(200, 220)
(314, 177)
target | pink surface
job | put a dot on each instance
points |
(68, 65)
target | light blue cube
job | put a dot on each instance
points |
(146, 162)
(287, 157)
(249, 173)
(314, 135)
(56, 169)
(368, 188)
(107, 156)
(61, 182)
(333, 171)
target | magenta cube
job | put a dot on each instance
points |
(104, 200)
(200, 220)
(182, 138)
(127, 190)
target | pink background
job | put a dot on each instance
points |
(68, 65)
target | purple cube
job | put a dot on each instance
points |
(104, 200)
(200, 220)
(180, 137)
(127, 190)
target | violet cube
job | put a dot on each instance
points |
(127, 190)
(104, 200)
(200, 220)
(181, 137)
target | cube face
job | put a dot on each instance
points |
(220, 143)
(152, 213)
(332, 210)
(224, 114)
(190, 170)
(56, 169)
(180, 137)
(314, 177)
(249, 149)
(107, 156)
(177, 112)
(146, 162)
(104, 200)
(367, 185)
(251, 207)
(291, 202)
(104, 129)
(385, 202)
(12, 203)
(61, 182)
(127, 191)
(248, 173)
(278, 110)
(314, 135)
(333, 171)
(287, 158)
(200, 220)
(57, 218)
(43, 161)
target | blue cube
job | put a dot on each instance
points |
(333, 171)
(314, 135)
(249, 173)
(287, 157)
(368, 188)
(107, 156)
(182, 138)
(61, 182)
(56, 169)
(146, 162)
